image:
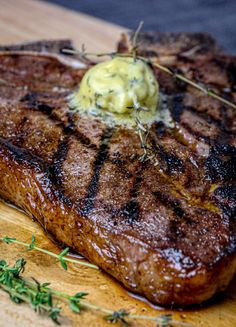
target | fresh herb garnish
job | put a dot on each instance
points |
(82, 54)
(20, 290)
(135, 40)
(118, 316)
(61, 257)
(45, 300)
(143, 131)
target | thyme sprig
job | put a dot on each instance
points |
(143, 133)
(202, 88)
(45, 300)
(135, 40)
(21, 291)
(61, 257)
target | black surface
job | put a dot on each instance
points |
(217, 17)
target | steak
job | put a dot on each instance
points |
(168, 231)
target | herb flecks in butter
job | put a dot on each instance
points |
(112, 88)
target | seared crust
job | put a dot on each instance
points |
(166, 232)
(165, 276)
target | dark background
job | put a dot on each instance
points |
(217, 17)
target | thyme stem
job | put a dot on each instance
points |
(160, 320)
(160, 67)
(134, 40)
(9, 240)
(193, 84)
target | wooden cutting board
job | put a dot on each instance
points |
(23, 20)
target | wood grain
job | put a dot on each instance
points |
(27, 20)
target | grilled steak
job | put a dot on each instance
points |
(168, 231)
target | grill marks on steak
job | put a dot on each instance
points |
(100, 159)
(24, 73)
(166, 232)
(204, 124)
(202, 62)
(30, 130)
(211, 114)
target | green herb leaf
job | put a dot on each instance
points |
(80, 295)
(75, 301)
(61, 258)
(8, 240)
(63, 264)
(3, 263)
(165, 320)
(32, 244)
(74, 306)
(118, 316)
(64, 252)
(54, 314)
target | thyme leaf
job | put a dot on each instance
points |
(32, 244)
(61, 258)
(75, 301)
(8, 240)
(118, 316)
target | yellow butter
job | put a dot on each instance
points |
(113, 87)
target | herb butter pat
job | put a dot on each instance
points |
(112, 88)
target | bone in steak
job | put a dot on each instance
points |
(166, 232)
